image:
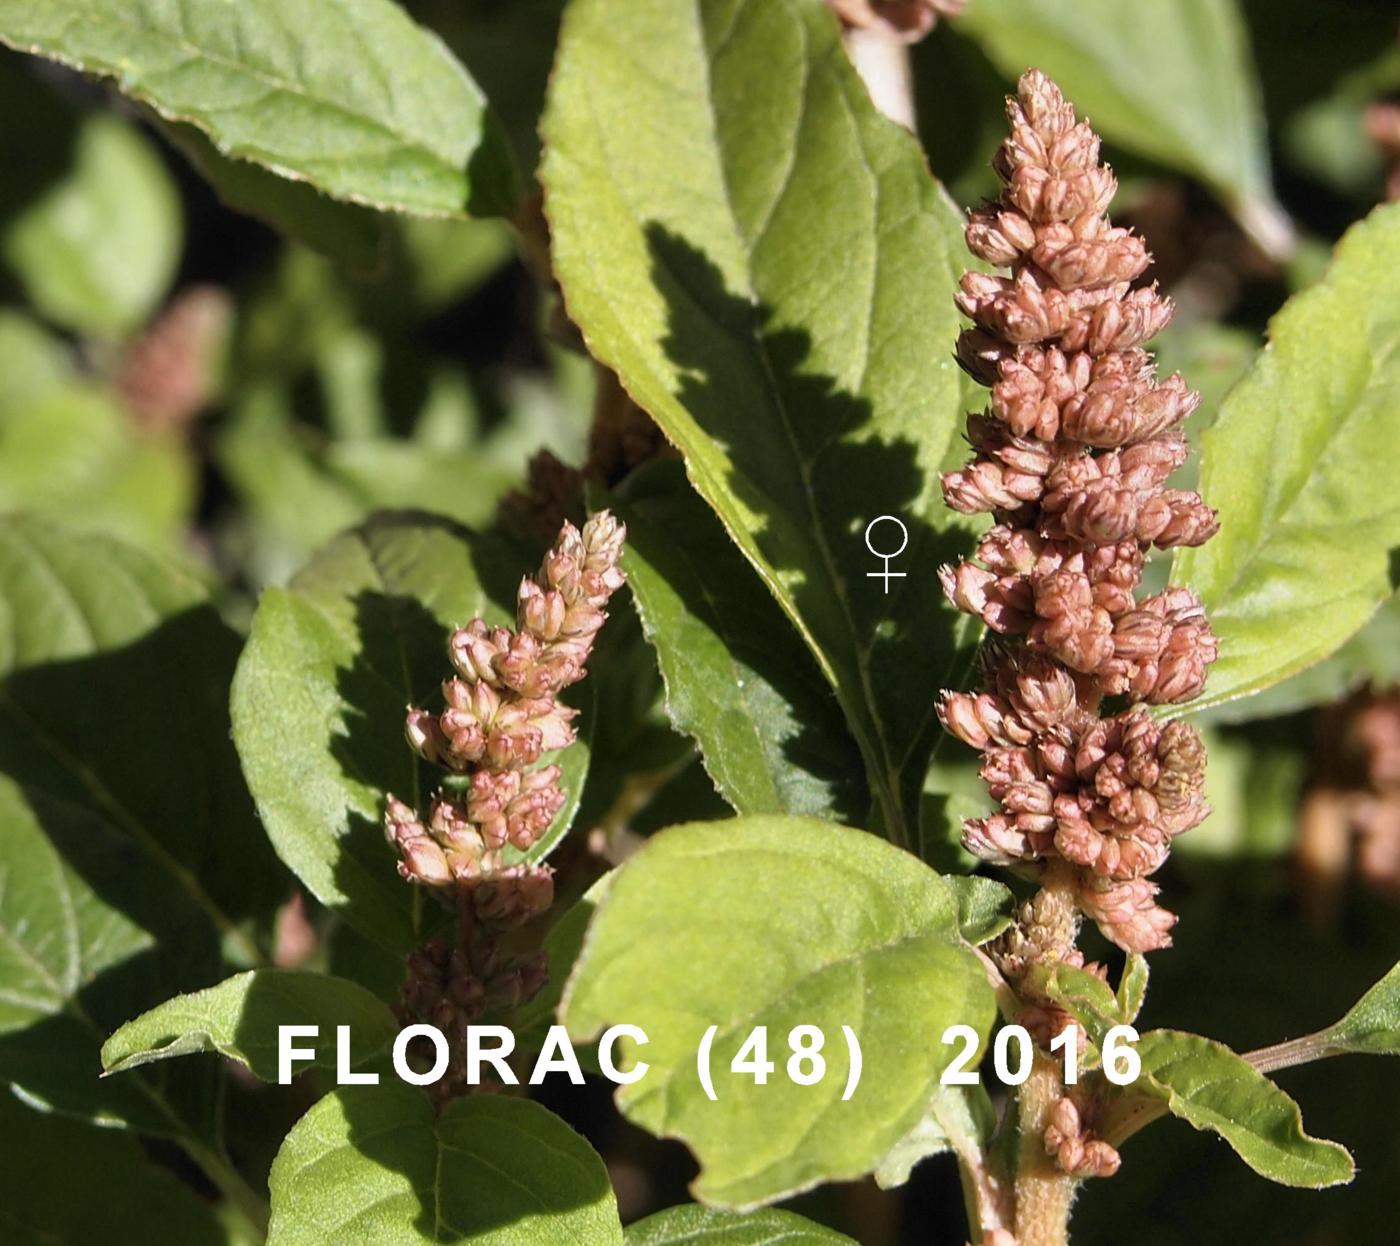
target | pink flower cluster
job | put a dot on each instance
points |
(1071, 460)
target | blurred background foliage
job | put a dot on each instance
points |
(231, 369)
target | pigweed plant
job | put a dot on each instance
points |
(824, 798)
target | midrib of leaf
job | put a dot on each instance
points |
(504, 1175)
(879, 762)
(119, 815)
(64, 994)
(270, 82)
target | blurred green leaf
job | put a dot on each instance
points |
(1210, 1087)
(331, 663)
(299, 488)
(823, 926)
(378, 1164)
(1173, 82)
(96, 251)
(1308, 527)
(75, 453)
(352, 97)
(68, 448)
(240, 1018)
(508, 47)
(770, 271)
(1320, 65)
(768, 727)
(1254, 785)
(703, 1226)
(79, 1184)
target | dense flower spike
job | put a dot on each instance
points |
(500, 715)
(1071, 460)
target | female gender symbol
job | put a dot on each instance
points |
(886, 573)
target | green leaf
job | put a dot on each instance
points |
(1211, 1088)
(58, 936)
(240, 1017)
(347, 232)
(822, 926)
(1307, 525)
(769, 269)
(702, 1226)
(79, 1184)
(319, 697)
(1175, 83)
(984, 906)
(352, 97)
(1372, 656)
(97, 250)
(960, 1119)
(130, 854)
(115, 672)
(1132, 986)
(737, 679)
(1372, 1026)
(378, 1164)
(1086, 997)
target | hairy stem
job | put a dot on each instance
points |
(1043, 1192)
(1296, 1051)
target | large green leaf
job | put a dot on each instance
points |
(1210, 1087)
(702, 1226)
(79, 1184)
(767, 265)
(820, 926)
(349, 95)
(1308, 525)
(378, 1164)
(319, 697)
(737, 678)
(115, 672)
(1173, 82)
(130, 850)
(98, 248)
(239, 1018)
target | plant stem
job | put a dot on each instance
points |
(1043, 1192)
(1296, 1051)
(241, 1196)
(882, 61)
